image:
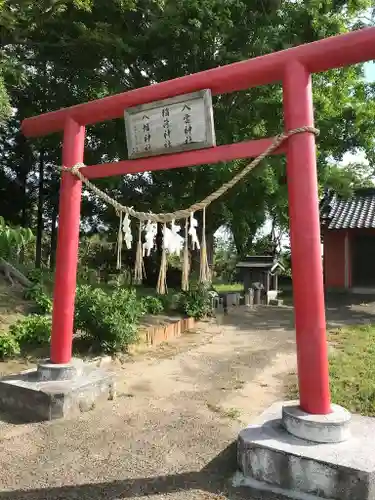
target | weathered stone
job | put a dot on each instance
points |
(47, 370)
(29, 398)
(272, 459)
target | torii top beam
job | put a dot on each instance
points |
(334, 52)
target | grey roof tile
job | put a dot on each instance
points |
(355, 212)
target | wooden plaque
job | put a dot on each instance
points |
(182, 123)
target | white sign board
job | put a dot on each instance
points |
(173, 125)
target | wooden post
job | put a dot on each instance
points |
(67, 246)
(307, 272)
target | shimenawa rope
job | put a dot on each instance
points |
(164, 218)
(182, 214)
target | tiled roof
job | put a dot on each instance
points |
(261, 261)
(357, 211)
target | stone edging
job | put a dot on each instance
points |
(151, 336)
(155, 335)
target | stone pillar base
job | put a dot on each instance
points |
(272, 459)
(55, 391)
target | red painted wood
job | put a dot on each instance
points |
(293, 67)
(67, 246)
(307, 271)
(247, 149)
(334, 52)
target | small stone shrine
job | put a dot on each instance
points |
(260, 269)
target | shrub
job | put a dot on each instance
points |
(33, 330)
(152, 305)
(42, 301)
(13, 240)
(196, 302)
(9, 347)
(171, 301)
(35, 275)
(120, 280)
(87, 275)
(40, 275)
(110, 320)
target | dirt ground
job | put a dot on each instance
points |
(171, 432)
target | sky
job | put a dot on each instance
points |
(370, 71)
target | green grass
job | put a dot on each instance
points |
(352, 369)
(228, 287)
(219, 287)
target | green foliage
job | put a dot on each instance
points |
(110, 319)
(228, 287)
(196, 303)
(97, 261)
(5, 108)
(58, 53)
(225, 260)
(42, 300)
(9, 347)
(35, 275)
(351, 369)
(152, 305)
(120, 280)
(13, 239)
(171, 301)
(33, 330)
(40, 276)
(344, 179)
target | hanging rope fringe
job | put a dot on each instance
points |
(119, 243)
(185, 261)
(205, 273)
(138, 268)
(163, 218)
(161, 288)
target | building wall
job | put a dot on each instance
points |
(364, 258)
(334, 259)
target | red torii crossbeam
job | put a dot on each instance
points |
(292, 67)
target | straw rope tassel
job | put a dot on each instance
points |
(119, 243)
(185, 262)
(138, 268)
(205, 274)
(161, 288)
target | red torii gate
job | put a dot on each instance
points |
(293, 67)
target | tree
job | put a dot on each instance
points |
(225, 258)
(65, 52)
(5, 109)
(204, 35)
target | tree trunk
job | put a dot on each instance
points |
(11, 273)
(52, 257)
(40, 228)
(25, 165)
(210, 249)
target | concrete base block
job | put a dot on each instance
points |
(31, 398)
(272, 459)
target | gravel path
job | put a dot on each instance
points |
(171, 432)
